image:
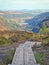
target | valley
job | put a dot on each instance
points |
(17, 27)
(13, 20)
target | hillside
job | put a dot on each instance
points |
(2, 24)
(16, 20)
(38, 21)
(16, 14)
(6, 24)
(13, 20)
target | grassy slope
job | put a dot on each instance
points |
(19, 36)
(42, 55)
(6, 24)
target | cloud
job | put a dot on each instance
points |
(24, 4)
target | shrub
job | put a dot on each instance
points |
(3, 41)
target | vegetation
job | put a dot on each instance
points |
(11, 37)
(41, 54)
(45, 40)
(19, 36)
(39, 57)
(44, 34)
(8, 58)
(43, 30)
(4, 41)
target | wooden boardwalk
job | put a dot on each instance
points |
(24, 55)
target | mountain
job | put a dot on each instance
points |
(20, 13)
(16, 20)
(37, 22)
(6, 24)
(13, 20)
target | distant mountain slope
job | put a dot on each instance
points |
(16, 14)
(13, 20)
(2, 24)
(38, 21)
(6, 24)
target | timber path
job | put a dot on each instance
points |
(24, 54)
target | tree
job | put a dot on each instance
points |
(43, 29)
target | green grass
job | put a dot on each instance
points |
(39, 57)
(45, 40)
(4, 41)
(42, 55)
(8, 58)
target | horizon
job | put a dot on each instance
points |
(28, 10)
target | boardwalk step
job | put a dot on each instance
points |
(24, 55)
(9, 64)
(21, 64)
(36, 64)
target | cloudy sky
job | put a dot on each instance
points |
(23, 4)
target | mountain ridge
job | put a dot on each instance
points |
(38, 21)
